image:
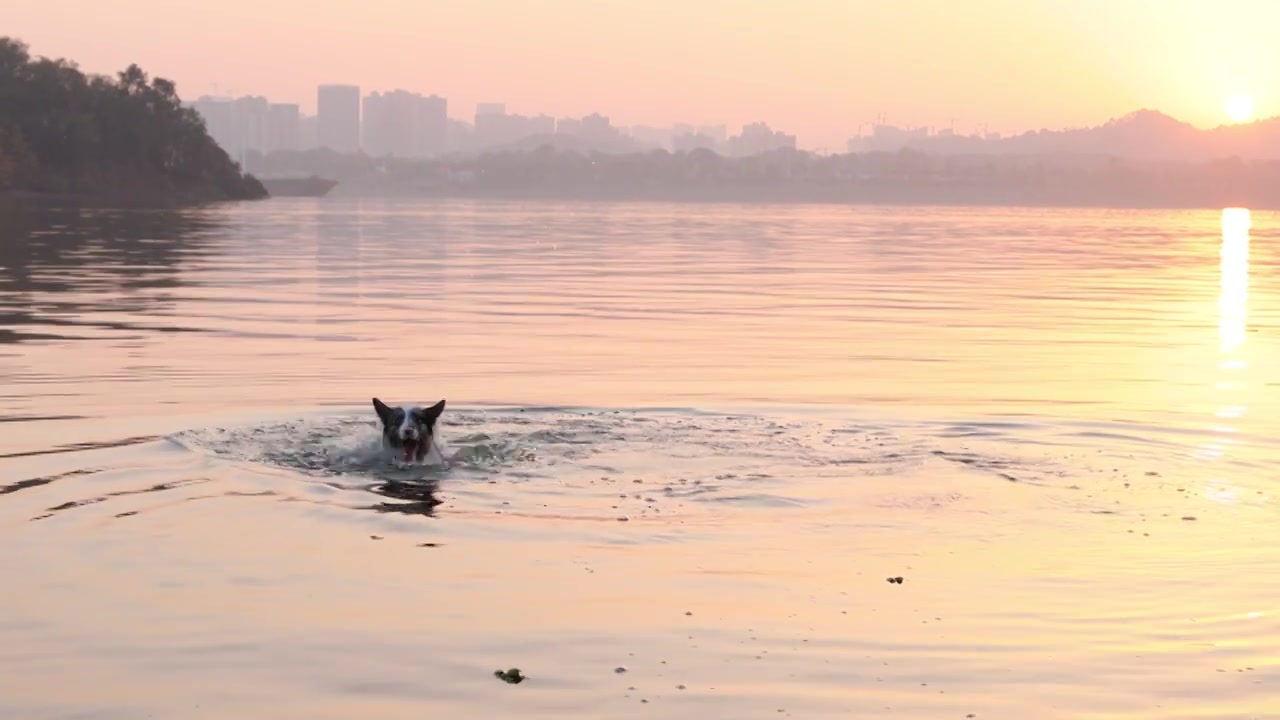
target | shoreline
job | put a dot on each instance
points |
(105, 202)
(711, 197)
(802, 200)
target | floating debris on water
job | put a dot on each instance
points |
(512, 676)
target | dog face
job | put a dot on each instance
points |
(409, 428)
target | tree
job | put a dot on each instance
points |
(64, 131)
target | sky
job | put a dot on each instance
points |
(820, 69)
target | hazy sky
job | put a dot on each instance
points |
(817, 68)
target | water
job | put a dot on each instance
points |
(692, 440)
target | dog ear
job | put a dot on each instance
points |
(383, 411)
(431, 414)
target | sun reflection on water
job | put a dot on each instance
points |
(1234, 282)
(1233, 299)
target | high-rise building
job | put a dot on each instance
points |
(338, 117)
(220, 121)
(283, 127)
(434, 125)
(494, 127)
(597, 129)
(378, 131)
(251, 123)
(757, 138)
(405, 124)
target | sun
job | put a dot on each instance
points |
(1240, 108)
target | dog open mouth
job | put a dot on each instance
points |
(411, 448)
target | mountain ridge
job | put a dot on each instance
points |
(1143, 134)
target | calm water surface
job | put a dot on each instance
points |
(692, 440)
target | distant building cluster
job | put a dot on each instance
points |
(403, 124)
(889, 138)
(251, 123)
(410, 125)
(758, 138)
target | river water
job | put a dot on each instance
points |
(690, 442)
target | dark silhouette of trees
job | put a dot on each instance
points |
(123, 138)
(906, 176)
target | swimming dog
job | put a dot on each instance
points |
(410, 429)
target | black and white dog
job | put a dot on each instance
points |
(410, 429)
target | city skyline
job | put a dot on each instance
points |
(819, 69)
(405, 124)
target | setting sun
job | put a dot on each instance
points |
(1240, 108)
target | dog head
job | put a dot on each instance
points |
(409, 428)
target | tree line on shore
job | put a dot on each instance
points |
(126, 138)
(129, 139)
(905, 176)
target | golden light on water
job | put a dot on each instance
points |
(1233, 297)
(1234, 284)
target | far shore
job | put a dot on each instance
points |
(732, 195)
(899, 194)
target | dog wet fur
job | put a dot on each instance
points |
(409, 429)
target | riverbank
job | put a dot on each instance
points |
(118, 199)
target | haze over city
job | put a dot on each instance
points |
(819, 70)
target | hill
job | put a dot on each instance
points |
(1145, 135)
